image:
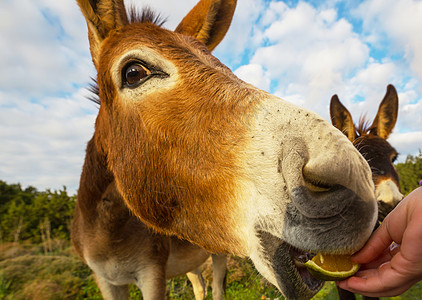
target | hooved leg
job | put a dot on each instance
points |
(110, 291)
(219, 269)
(198, 284)
(152, 283)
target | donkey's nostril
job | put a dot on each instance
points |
(317, 187)
(314, 182)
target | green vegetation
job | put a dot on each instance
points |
(38, 262)
(410, 173)
(27, 273)
(30, 215)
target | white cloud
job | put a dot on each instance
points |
(410, 116)
(243, 35)
(43, 142)
(308, 52)
(312, 54)
(45, 119)
(172, 11)
(406, 143)
(375, 74)
(397, 20)
(255, 75)
(43, 47)
(272, 13)
(305, 54)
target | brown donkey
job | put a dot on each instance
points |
(197, 153)
(371, 141)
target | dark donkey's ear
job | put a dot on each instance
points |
(102, 16)
(208, 21)
(386, 117)
(341, 118)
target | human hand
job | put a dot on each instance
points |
(392, 258)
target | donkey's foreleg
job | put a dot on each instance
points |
(151, 280)
(110, 291)
(219, 269)
(198, 284)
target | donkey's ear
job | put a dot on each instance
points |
(102, 16)
(208, 21)
(341, 118)
(386, 117)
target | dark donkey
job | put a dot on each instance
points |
(371, 141)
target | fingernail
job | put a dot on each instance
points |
(394, 248)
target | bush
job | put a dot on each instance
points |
(35, 216)
(410, 173)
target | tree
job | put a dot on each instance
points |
(13, 193)
(26, 213)
(410, 173)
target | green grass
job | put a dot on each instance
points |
(26, 273)
(329, 292)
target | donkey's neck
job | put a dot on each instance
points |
(94, 179)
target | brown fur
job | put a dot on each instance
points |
(196, 126)
(104, 231)
(121, 250)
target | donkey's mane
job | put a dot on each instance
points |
(146, 15)
(95, 92)
(364, 126)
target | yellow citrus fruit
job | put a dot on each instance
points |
(331, 267)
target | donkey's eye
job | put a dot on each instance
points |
(394, 158)
(134, 74)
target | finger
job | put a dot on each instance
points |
(365, 274)
(391, 230)
(354, 284)
(383, 258)
(375, 246)
(381, 281)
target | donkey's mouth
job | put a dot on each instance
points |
(288, 265)
(299, 258)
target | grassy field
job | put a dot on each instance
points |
(27, 272)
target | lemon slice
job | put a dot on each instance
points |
(331, 267)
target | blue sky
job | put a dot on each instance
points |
(301, 51)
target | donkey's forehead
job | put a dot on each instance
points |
(372, 143)
(142, 32)
(176, 55)
(168, 43)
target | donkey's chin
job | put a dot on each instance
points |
(283, 265)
